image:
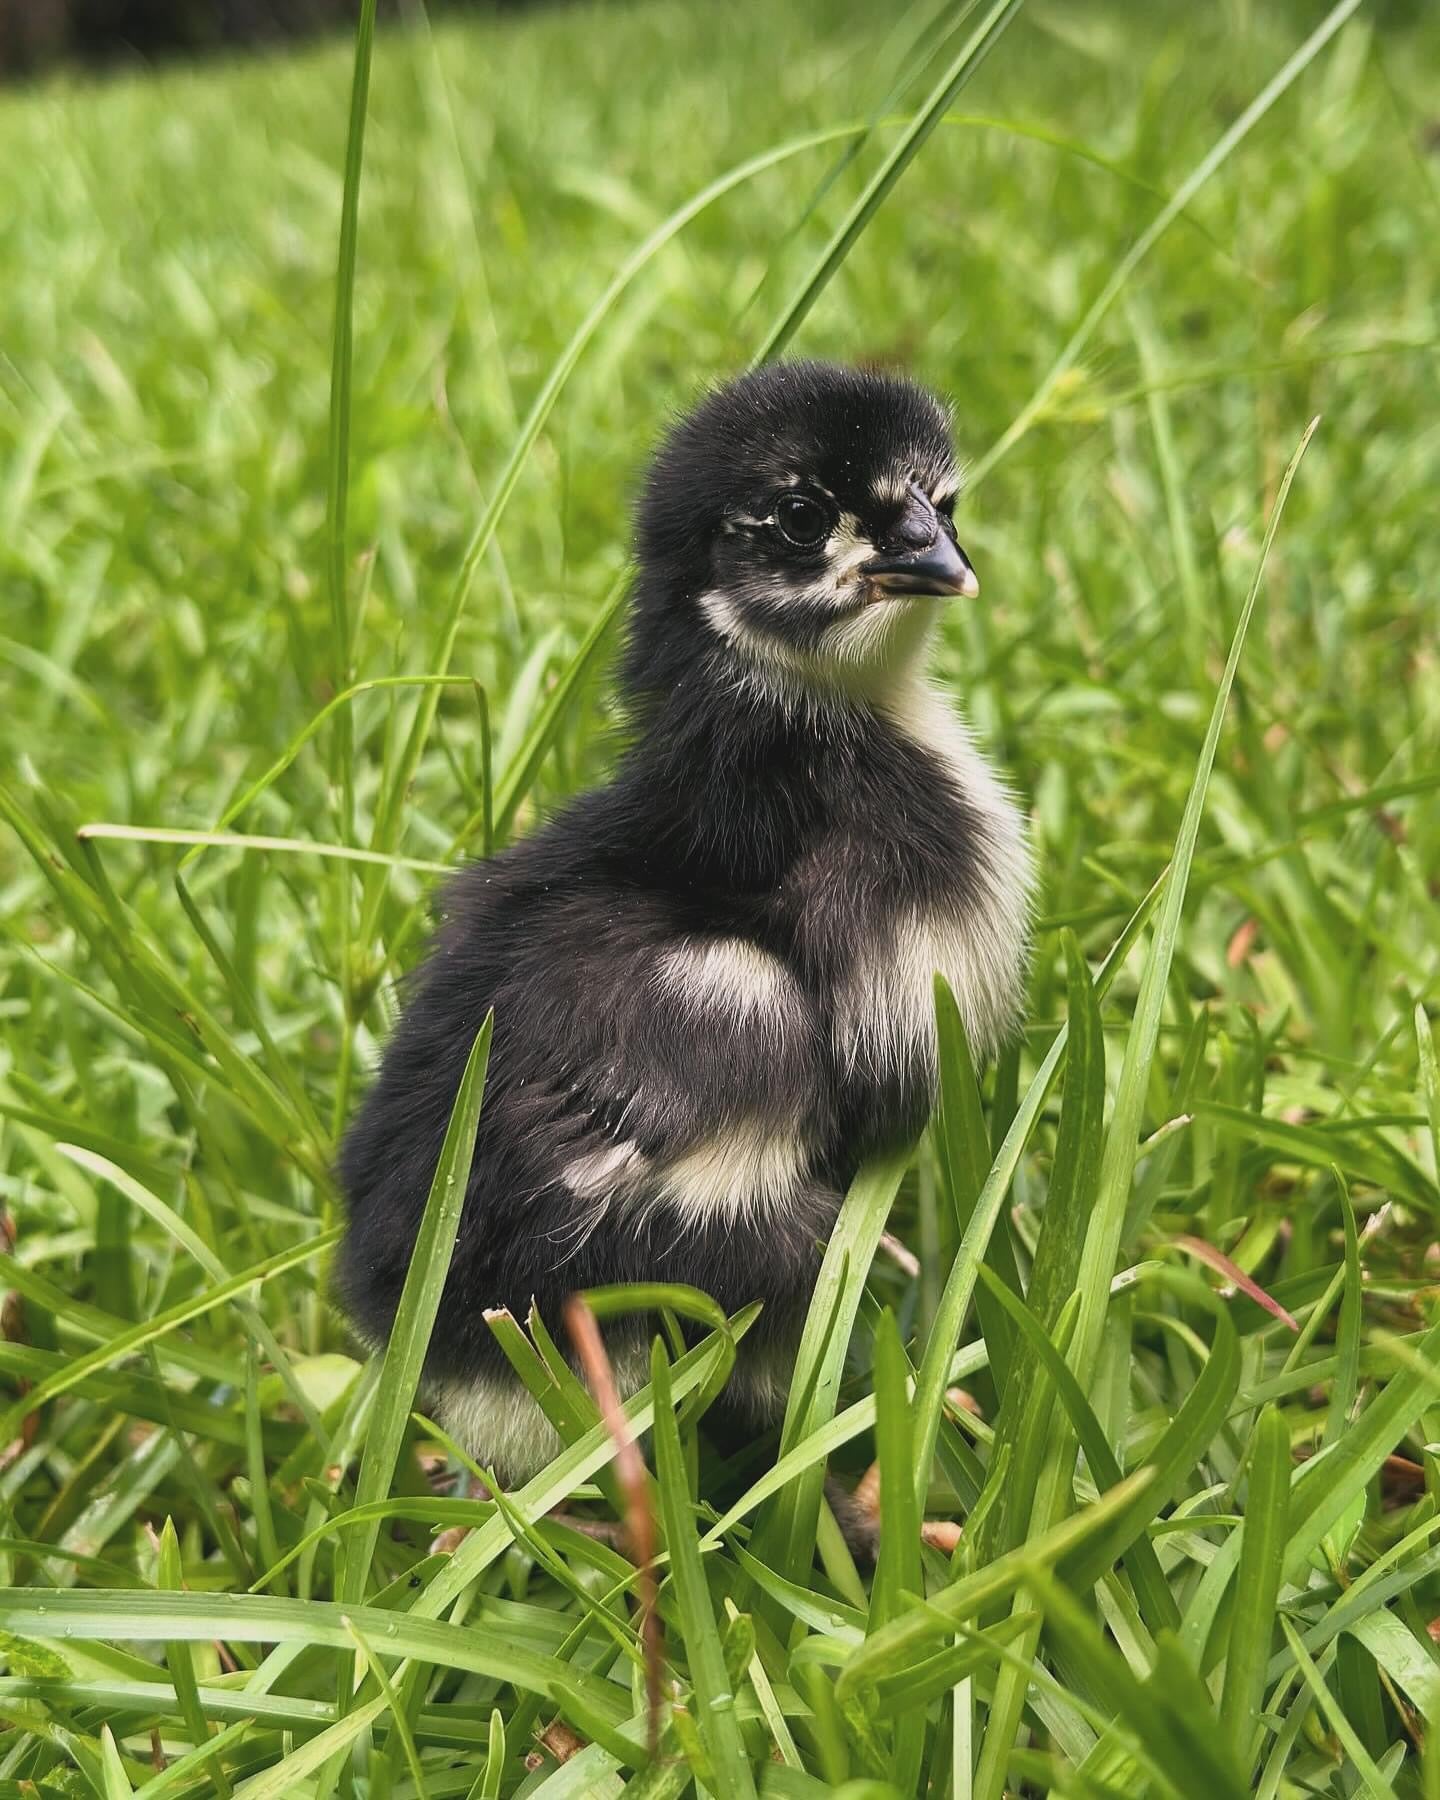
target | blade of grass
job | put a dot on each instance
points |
(1262, 1546)
(1326, 1485)
(102, 830)
(1154, 1596)
(932, 1378)
(1107, 1221)
(289, 1775)
(705, 1656)
(841, 1430)
(574, 1465)
(337, 485)
(487, 1649)
(1284, 78)
(960, 1137)
(1118, 1161)
(74, 1372)
(520, 772)
(1347, 1336)
(1375, 1783)
(897, 1568)
(1429, 1079)
(892, 1649)
(393, 1705)
(178, 1657)
(968, 59)
(1174, 1456)
(1021, 1430)
(176, 1228)
(486, 1785)
(404, 1355)
(1166, 1711)
(785, 1532)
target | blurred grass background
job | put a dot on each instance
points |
(168, 247)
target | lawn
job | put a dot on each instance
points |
(349, 644)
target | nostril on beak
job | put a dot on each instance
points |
(918, 525)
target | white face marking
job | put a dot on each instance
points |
(845, 549)
(867, 650)
(768, 664)
(885, 1014)
(893, 488)
(874, 643)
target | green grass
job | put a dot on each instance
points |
(348, 641)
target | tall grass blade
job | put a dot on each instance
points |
(1021, 1429)
(1156, 1602)
(894, 1647)
(1118, 1162)
(1375, 1784)
(1165, 1712)
(337, 487)
(1257, 1587)
(933, 1375)
(1290, 71)
(897, 1569)
(714, 1694)
(909, 144)
(404, 1356)
(785, 1532)
(963, 1143)
(1347, 1336)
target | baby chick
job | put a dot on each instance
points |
(712, 977)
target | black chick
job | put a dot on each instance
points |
(712, 979)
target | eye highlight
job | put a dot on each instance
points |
(803, 521)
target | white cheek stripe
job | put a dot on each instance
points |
(845, 549)
(867, 648)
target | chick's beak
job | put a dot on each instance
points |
(942, 569)
(922, 558)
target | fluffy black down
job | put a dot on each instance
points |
(732, 815)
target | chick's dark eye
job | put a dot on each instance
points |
(804, 521)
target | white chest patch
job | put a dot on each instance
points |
(742, 1172)
(885, 1012)
(734, 978)
(742, 1169)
